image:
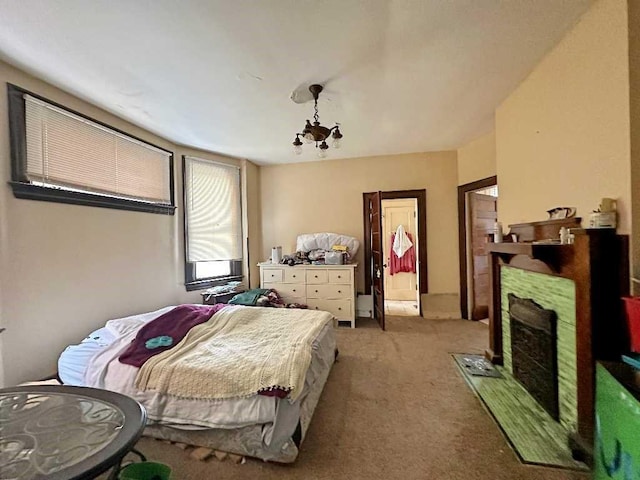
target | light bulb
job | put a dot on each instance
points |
(337, 143)
(322, 154)
(308, 138)
(297, 149)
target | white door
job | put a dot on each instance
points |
(403, 285)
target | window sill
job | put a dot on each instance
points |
(210, 282)
(29, 191)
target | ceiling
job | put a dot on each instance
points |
(400, 76)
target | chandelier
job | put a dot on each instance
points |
(316, 132)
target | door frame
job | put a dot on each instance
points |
(421, 197)
(462, 236)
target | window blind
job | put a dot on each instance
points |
(213, 211)
(67, 151)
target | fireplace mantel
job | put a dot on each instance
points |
(597, 263)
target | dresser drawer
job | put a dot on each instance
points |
(342, 275)
(316, 276)
(288, 289)
(341, 309)
(272, 275)
(293, 299)
(294, 275)
(328, 291)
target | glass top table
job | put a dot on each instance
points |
(64, 432)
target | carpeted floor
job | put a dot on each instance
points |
(394, 407)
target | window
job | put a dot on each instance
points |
(213, 223)
(62, 156)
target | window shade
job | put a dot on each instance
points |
(212, 209)
(67, 151)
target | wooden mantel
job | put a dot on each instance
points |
(597, 262)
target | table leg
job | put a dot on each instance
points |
(118, 466)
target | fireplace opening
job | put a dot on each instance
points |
(534, 351)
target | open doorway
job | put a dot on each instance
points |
(400, 247)
(477, 214)
(376, 263)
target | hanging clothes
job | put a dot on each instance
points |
(403, 253)
(401, 242)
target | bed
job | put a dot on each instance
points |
(220, 409)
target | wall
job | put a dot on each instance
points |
(562, 137)
(477, 159)
(253, 226)
(634, 97)
(327, 196)
(65, 269)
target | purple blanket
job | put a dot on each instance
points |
(166, 331)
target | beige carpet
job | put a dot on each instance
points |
(394, 406)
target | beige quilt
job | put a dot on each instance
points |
(237, 353)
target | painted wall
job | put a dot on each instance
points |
(252, 226)
(327, 196)
(66, 269)
(634, 97)
(562, 137)
(477, 159)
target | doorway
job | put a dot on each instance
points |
(401, 277)
(477, 214)
(375, 262)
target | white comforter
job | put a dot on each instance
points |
(105, 371)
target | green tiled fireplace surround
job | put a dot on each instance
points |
(557, 294)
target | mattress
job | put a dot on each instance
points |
(273, 422)
(278, 440)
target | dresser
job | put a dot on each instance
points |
(331, 288)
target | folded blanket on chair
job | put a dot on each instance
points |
(166, 331)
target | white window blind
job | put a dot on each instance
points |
(213, 211)
(67, 151)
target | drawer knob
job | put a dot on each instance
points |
(316, 276)
(316, 308)
(339, 308)
(294, 276)
(339, 276)
(316, 291)
(294, 289)
(339, 291)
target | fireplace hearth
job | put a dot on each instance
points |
(534, 351)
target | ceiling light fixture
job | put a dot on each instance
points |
(316, 132)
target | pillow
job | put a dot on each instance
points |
(74, 359)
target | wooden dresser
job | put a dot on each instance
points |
(322, 287)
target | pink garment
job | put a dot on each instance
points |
(407, 263)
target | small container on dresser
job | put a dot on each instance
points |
(331, 288)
